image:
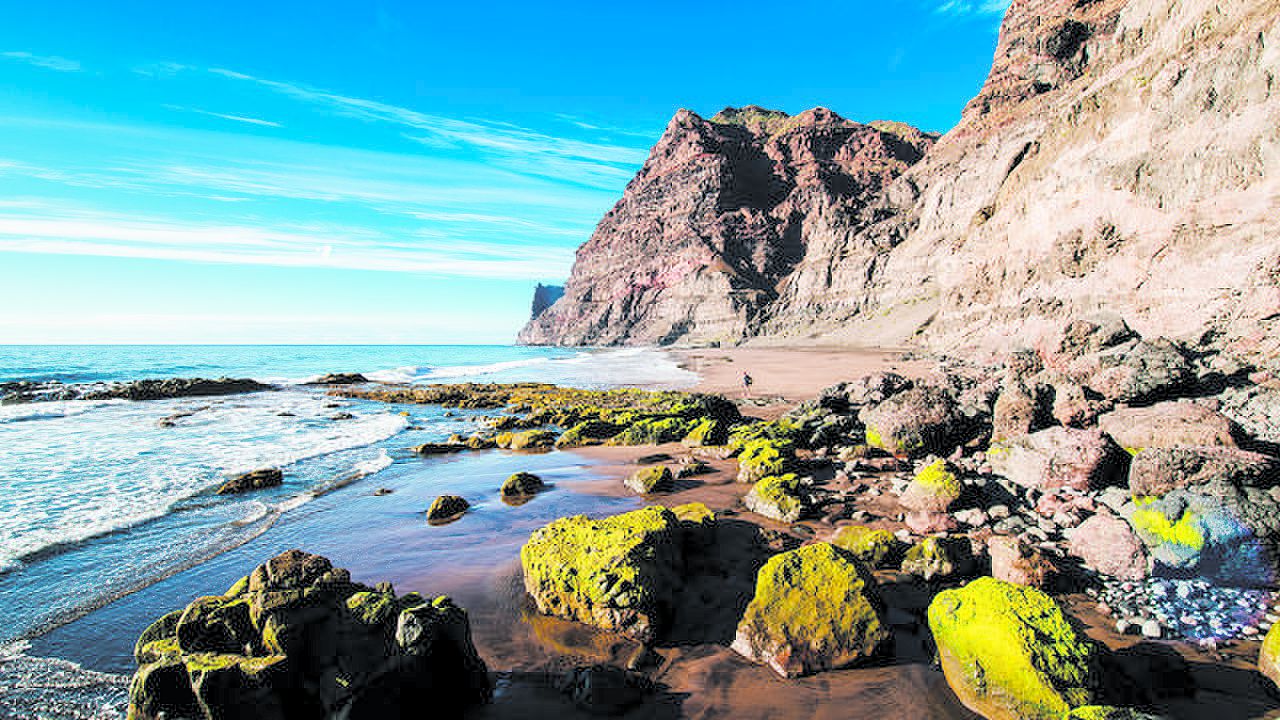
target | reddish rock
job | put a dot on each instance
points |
(917, 422)
(1014, 561)
(928, 523)
(1059, 457)
(1170, 424)
(1109, 545)
(1156, 471)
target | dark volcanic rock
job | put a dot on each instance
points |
(340, 379)
(253, 480)
(297, 640)
(174, 388)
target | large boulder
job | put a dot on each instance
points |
(763, 457)
(871, 546)
(522, 485)
(779, 497)
(618, 573)
(815, 608)
(297, 640)
(1158, 470)
(1060, 457)
(1020, 409)
(917, 422)
(1229, 538)
(1009, 652)
(1169, 424)
(447, 508)
(1137, 372)
(1269, 655)
(1109, 545)
(653, 479)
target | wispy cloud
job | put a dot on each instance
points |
(48, 62)
(302, 246)
(971, 7)
(224, 116)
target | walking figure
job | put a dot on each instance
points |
(746, 385)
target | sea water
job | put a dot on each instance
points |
(99, 500)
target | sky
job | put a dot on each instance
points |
(387, 172)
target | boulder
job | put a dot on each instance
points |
(778, 497)
(917, 422)
(445, 448)
(1075, 405)
(653, 479)
(763, 457)
(526, 440)
(619, 573)
(1093, 333)
(873, 547)
(1009, 652)
(933, 489)
(707, 432)
(871, 389)
(522, 484)
(1168, 425)
(588, 432)
(939, 558)
(927, 523)
(447, 508)
(297, 640)
(1059, 457)
(815, 608)
(1231, 538)
(1109, 545)
(1158, 470)
(1016, 562)
(1137, 372)
(1019, 410)
(1269, 655)
(253, 480)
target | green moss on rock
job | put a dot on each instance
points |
(654, 479)
(1009, 652)
(447, 508)
(521, 484)
(933, 489)
(815, 608)
(763, 457)
(708, 431)
(875, 547)
(779, 497)
(1108, 712)
(618, 573)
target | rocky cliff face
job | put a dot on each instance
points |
(1122, 156)
(544, 296)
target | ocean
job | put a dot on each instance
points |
(106, 516)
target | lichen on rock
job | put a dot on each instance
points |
(875, 547)
(779, 497)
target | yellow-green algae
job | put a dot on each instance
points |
(815, 608)
(938, 477)
(778, 497)
(1107, 712)
(521, 483)
(611, 573)
(871, 546)
(656, 478)
(934, 557)
(763, 457)
(1269, 655)
(694, 512)
(1153, 523)
(1009, 652)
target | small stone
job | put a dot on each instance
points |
(1151, 629)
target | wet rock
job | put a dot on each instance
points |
(619, 573)
(1170, 425)
(173, 388)
(441, 448)
(1016, 562)
(1109, 545)
(916, 422)
(655, 479)
(339, 379)
(1229, 538)
(692, 467)
(779, 497)
(814, 609)
(253, 480)
(1060, 457)
(603, 689)
(447, 508)
(1269, 656)
(273, 646)
(1009, 652)
(526, 440)
(522, 484)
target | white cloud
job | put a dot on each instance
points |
(48, 62)
(971, 7)
(224, 116)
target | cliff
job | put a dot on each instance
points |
(544, 296)
(1121, 156)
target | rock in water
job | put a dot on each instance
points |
(253, 480)
(618, 573)
(655, 479)
(522, 484)
(815, 608)
(446, 508)
(1009, 653)
(603, 689)
(297, 640)
(339, 379)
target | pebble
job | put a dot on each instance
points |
(1151, 629)
(998, 512)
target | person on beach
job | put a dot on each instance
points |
(746, 385)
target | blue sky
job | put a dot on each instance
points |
(387, 171)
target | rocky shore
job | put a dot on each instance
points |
(1084, 531)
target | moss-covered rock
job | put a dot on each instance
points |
(708, 431)
(815, 608)
(1009, 652)
(618, 573)
(763, 457)
(521, 484)
(526, 440)
(1269, 655)
(1108, 712)
(445, 448)
(653, 479)
(653, 431)
(312, 645)
(933, 489)
(447, 508)
(588, 432)
(939, 558)
(875, 547)
(779, 497)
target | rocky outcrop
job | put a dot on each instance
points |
(15, 393)
(544, 296)
(252, 480)
(297, 640)
(1121, 156)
